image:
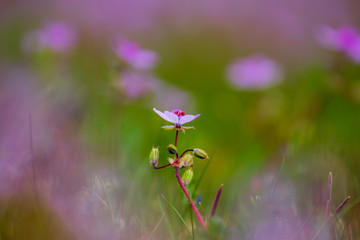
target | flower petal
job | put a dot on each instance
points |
(172, 117)
(161, 114)
(188, 118)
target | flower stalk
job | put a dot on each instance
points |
(197, 213)
(187, 150)
(178, 118)
(167, 165)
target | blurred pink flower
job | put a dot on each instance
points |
(57, 36)
(354, 51)
(136, 84)
(133, 54)
(254, 72)
(345, 39)
(170, 97)
(337, 39)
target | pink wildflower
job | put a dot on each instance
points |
(254, 72)
(133, 54)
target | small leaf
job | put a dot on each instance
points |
(342, 205)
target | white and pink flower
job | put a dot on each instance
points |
(177, 117)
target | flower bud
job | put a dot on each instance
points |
(172, 149)
(171, 161)
(200, 153)
(187, 177)
(186, 161)
(154, 156)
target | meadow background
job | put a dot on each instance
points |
(277, 84)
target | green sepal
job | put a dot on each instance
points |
(168, 127)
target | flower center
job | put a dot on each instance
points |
(178, 112)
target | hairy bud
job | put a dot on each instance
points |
(186, 161)
(187, 177)
(154, 156)
(200, 153)
(172, 149)
(171, 161)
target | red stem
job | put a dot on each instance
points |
(190, 199)
(213, 210)
(187, 150)
(162, 166)
(176, 137)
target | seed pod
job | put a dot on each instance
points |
(186, 161)
(187, 177)
(172, 149)
(200, 153)
(154, 156)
